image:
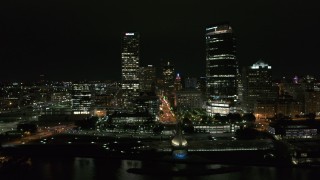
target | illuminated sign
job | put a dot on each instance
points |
(129, 34)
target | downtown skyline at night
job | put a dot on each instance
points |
(159, 89)
(68, 40)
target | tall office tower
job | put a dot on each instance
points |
(130, 67)
(81, 98)
(168, 76)
(257, 85)
(221, 63)
(147, 78)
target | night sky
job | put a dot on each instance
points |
(77, 39)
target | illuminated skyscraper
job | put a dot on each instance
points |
(130, 66)
(221, 63)
(168, 76)
(257, 85)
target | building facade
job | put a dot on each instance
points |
(81, 98)
(147, 78)
(189, 99)
(257, 85)
(221, 63)
(168, 76)
(130, 67)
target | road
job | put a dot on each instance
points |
(167, 117)
(43, 132)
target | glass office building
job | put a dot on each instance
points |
(221, 63)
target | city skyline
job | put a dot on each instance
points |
(166, 88)
(68, 40)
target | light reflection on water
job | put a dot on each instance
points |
(89, 168)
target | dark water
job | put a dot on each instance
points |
(89, 168)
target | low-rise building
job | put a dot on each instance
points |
(288, 129)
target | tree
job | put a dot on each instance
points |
(234, 117)
(247, 133)
(279, 116)
(87, 123)
(249, 117)
(158, 129)
(311, 116)
(206, 119)
(217, 116)
(188, 129)
(187, 126)
(186, 121)
(223, 119)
